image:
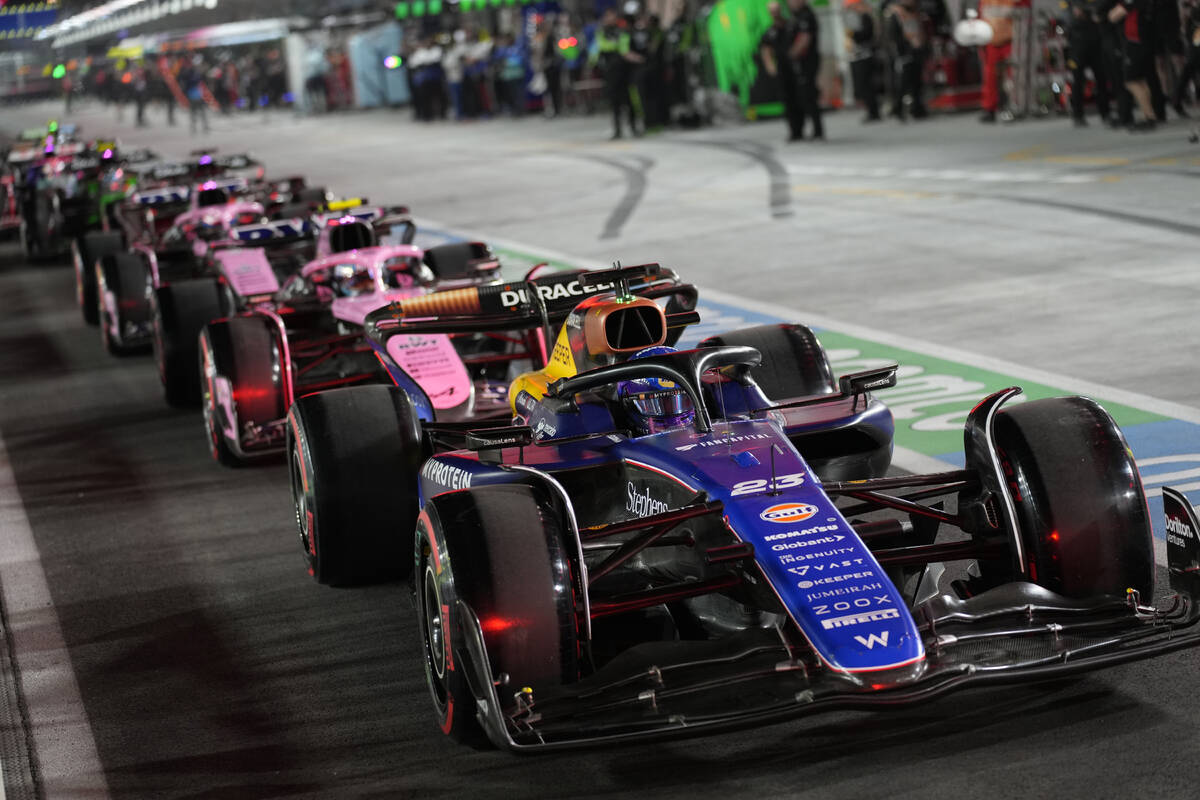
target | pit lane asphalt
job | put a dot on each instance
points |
(211, 666)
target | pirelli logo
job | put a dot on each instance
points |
(856, 619)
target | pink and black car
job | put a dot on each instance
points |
(169, 233)
(307, 335)
(216, 285)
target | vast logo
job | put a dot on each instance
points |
(787, 513)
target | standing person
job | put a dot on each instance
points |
(510, 75)
(552, 65)
(1191, 67)
(859, 25)
(806, 55)
(452, 66)
(906, 34)
(999, 15)
(640, 45)
(775, 48)
(647, 40)
(612, 47)
(1086, 52)
(1132, 18)
(193, 89)
(477, 100)
(141, 91)
(789, 53)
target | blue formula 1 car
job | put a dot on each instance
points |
(673, 542)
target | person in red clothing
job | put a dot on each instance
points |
(1131, 19)
(999, 15)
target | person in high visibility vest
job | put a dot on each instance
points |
(999, 15)
(611, 52)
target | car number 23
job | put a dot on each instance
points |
(760, 484)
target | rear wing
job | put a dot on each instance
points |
(541, 302)
(161, 197)
(383, 219)
(276, 231)
(166, 172)
(234, 185)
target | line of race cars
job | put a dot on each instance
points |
(608, 537)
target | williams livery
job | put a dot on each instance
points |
(669, 542)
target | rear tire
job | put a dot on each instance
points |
(793, 362)
(244, 351)
(501, 550)
(122, 275)
(180, 311)
(86, 251)
(1079, 500)
(355, 456)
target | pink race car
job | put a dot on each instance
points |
(307, 335)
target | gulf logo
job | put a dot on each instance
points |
(788, 512)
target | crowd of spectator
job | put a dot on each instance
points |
(560, 65)
(1132, 57)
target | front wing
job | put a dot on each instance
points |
(1016, 633)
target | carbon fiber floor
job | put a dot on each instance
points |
(210, 666)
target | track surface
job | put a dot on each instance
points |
(211, 666)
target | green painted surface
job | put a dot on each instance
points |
(934, 395)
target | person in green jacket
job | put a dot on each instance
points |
(617, 63)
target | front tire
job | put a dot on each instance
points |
(355, 456)
(1080, 506)
(501, 551)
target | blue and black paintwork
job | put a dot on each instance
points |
(828, 623)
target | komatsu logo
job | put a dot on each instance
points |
(557, 291)
(771, 537)
(446, 475)
(642, 505)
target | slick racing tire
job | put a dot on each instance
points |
(793, 362)
(500, 550)
(85, 252)
(120, 299)
(180, 310)
(354, 456)
(1078, 498)
(245, 352)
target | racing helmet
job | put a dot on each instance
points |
(351, 280)
(652, 404)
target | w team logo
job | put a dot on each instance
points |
(787, 513)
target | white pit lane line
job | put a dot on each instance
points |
(65, 754)
(903, 458)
